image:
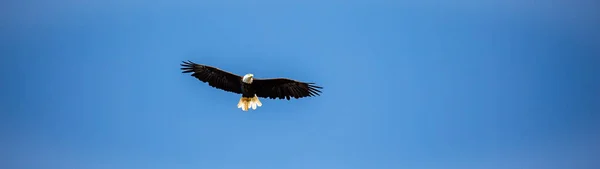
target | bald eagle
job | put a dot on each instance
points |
(249, 87)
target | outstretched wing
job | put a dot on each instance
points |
(215, 77)
(281, 88)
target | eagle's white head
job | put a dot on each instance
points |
(248, 78)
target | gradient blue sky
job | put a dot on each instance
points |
(489, 84)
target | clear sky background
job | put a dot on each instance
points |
(493, 84)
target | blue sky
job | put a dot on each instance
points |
(420, 85)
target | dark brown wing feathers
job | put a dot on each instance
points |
(281, 88)
(214, 77)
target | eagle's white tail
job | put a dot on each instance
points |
(249, 102)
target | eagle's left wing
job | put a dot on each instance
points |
(281, 88)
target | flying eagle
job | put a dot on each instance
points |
(249, 87)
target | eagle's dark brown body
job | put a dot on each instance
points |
(247, 90)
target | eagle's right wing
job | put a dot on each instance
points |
(215, 77)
